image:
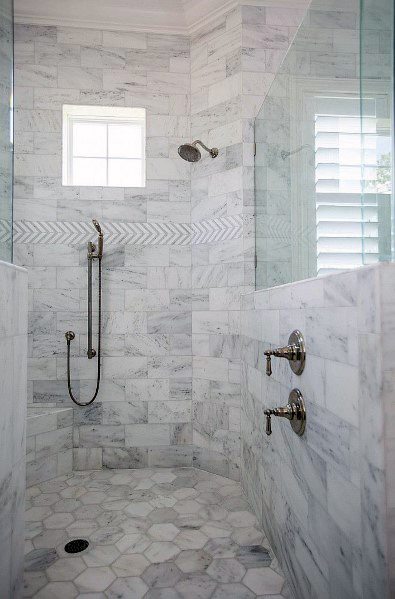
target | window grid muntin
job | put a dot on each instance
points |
(108, 120)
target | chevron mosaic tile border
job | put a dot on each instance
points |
(5, 231)
(216, 229)
(123, 233)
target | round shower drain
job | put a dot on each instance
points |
(76, 546)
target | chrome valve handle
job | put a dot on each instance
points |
(294, 411)
(294, 352)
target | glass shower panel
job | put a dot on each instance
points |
(6, 128)
(315, 173)
(377, 112)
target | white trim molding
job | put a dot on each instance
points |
(172, 17)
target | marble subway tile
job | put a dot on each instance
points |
(125, 367)
(102, 436)
(121, 39)
(123, 80)
(129, 457)
(169, 411)
(147, 435)
(78, 36)
(133, 411)
(169, 367)
(32, 75)
(80, 77)
(147, 390)
(57, 54)
(169, 322)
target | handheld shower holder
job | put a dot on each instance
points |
(94, 253)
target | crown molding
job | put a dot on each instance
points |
(31, 19)
(188, 25)
(212, 16)
(297, 4)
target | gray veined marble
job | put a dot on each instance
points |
(164, 538)
(325, 492)
(13, 351)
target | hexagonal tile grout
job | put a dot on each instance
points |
(180, 529)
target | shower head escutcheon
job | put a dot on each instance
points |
(191, 153)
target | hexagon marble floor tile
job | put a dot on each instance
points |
(153, 533)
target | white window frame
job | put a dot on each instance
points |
(99, 114)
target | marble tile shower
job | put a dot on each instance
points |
(183, 337)
(143, 412)
(173, 271)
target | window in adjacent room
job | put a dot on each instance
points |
(353, 186)
(103, 146)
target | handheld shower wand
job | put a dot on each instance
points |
(70, 335)
(99, 239)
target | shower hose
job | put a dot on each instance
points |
(70, 336)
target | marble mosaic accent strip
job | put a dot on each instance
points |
(216, 229)
(124, 233)
(75, 233)
(5, 231)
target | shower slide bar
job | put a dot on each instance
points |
(70, 335)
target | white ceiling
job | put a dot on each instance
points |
(167, 16)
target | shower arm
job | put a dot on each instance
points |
(212, 151)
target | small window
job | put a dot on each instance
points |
(103, 146)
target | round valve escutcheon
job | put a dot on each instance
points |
(294, 411)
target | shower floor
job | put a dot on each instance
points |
(153, 533)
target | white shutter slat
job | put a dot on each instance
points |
(346, 229)
(347, 218)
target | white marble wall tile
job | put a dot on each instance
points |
(121, 80)
(50, 443)
(169, 322)
(125, 367)
(75, 35)
(147, 435)
(82, 78)
(32, 75)
(13, 352)
(147, 390)
(56, 54)
(335, 474)
(121, 39)
(94, 56)
(37, 120)
(125, 412)
(170, 367)
(168, 83)
(151, 71)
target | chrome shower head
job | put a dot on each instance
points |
(97, 226)
(191, 153)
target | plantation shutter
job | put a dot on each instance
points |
(345, 167)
